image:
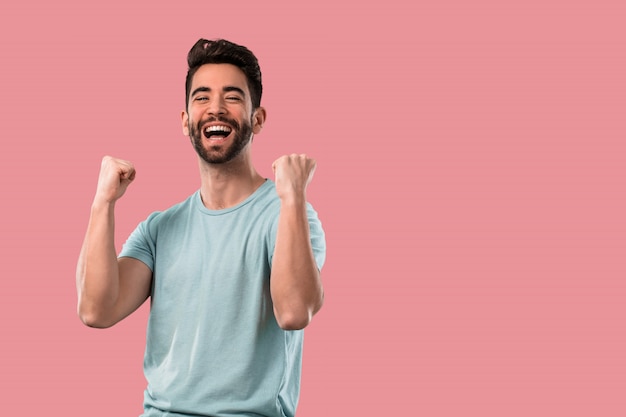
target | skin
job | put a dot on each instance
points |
(109, 289)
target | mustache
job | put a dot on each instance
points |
(231, 122)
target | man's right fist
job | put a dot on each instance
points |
(115, 176)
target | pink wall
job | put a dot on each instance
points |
(471, 179)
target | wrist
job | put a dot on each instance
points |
(99, 205)
(293, 200)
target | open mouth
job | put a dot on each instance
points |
(217, 132)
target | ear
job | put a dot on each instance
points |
(185, 122)
(258, 119)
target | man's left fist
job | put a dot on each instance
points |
(292, 175)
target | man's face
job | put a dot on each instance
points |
(219, 119)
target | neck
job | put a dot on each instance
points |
(226, 185)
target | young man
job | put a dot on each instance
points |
(232, 271)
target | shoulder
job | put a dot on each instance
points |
(158, 218)
(265, 198)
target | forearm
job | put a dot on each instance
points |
(97, 275)
(296, 286)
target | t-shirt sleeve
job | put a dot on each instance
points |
(318, 237)
(316, 233)
(141, 244)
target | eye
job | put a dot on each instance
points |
(202, 98)
(233, 98)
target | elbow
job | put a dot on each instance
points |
(92, 319)
(296, 318)
(293, 321)
(94, 322)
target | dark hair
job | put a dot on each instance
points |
(220, 51)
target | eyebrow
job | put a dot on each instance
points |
(226, 89)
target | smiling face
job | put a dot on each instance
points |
(219, 119)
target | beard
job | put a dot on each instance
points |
(221, 153)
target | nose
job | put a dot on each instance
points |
(216, 107)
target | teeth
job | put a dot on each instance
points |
(217, 129)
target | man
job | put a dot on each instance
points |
(232, 272)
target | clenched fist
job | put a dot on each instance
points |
(115, 176)
(292, 175)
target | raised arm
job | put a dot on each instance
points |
(108, 289)
(295, 284)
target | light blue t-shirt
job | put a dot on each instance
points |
(213, 345)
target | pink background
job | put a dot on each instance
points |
(471, 179)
